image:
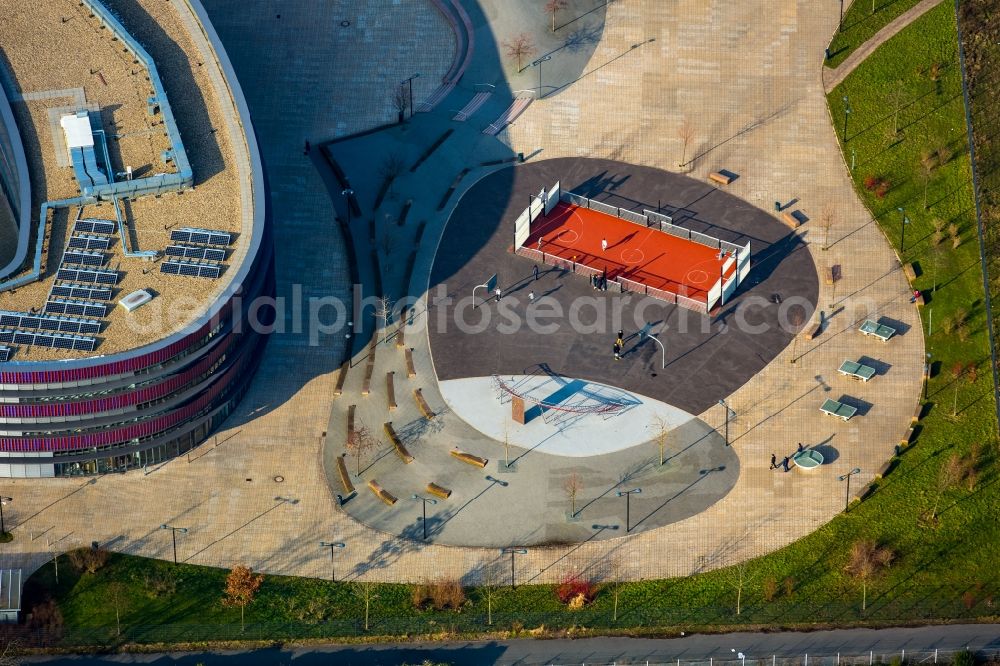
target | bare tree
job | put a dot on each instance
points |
(519, 47)
(685, 133)
(867, 560)
(572, 486)
(553, 7)
(661, 430)
(360, 441)
(365, 591)
(826, 221)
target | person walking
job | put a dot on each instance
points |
(498, 294)
(774, 461)
(604, 245)
(534, 270)
(784, 463)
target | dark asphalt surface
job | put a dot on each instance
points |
(705, 360)
(821, 646)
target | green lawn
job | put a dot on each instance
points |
(944, 569)
(860, 24)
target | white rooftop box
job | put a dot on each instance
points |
(135, 300)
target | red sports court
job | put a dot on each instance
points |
(645, 253)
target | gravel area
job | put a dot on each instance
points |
(79, 54)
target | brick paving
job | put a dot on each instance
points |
(747, 75)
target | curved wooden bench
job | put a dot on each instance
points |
(425, 409)
(345, 477)
(382, 493)
(469, 458)
(440, 491)
(397, 444)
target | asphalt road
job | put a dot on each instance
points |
(596, 651)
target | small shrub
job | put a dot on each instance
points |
(770, 588)
(573, 588)
(88, 560)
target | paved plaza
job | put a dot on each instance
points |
(746, 75)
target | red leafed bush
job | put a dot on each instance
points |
(573, 590)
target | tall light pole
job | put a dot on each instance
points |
(173, 534)
(348, 193)
(3, 500)
(729, 411)
(847, 114)
(628, 513)
(847, 499)
(410, 82)
(513, 551)
(902, 231)
(538, 64)
(333, 546)
(425, 501)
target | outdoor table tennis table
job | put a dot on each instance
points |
(880, 331)
(856, 370)
(838, 409)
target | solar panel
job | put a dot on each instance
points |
(191, 269)
(203, 236)
(82, 291)
(49, 322)
(51, 340)
(94, 227)
(193, 252)
(81, 275)
(84, 242)
(83, 258)
(5, 353)
(81, 308)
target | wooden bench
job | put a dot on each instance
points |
(440, 491)
(720, 178)
(397, 443)
(410, 370)
(909, 272)
(425, 409)
(833, 274)
(469, 458)
(400, 341)
(341, 378)
(390, 391)
(382, 493)
(813, 332)
(345, 477)
(790, 220)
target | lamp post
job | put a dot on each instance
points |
(333, 546)
(425, 500)
(173, 534)
(410, 82)
(847, 499)
(847, 114)
(902, 231)
(347, 194)
(628, 495)
(729, 411)
(3, 500)
(538, 64)
(513, 551)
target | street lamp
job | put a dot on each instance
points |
(902, 231)
(847, 114)
(729, 411)
(847, 499)
(173, 534)
(628, 495)
(3, 500)
(513, 551)
(425, 500)
(348, 193)
(410, 81)
(538, 64)
(332, 545)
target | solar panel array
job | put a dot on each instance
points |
(85, 242)
(94, 227)
(195, 252)
(5, 353)
(49, 322)
(81, 308)
(83, 291)
(52, 340)
(84, 275)
(203, 236)
(191, 268)
(83, 258)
